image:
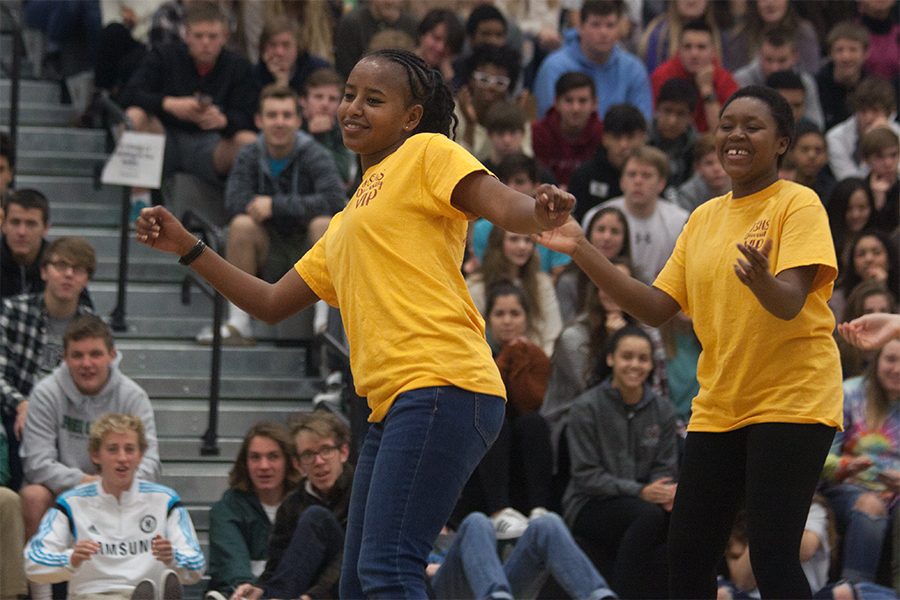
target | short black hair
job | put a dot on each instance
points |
(779, 37)
(516, 163)
(785, 80)
(29, 198)
(504, 57)
(602, 8)
(624, 119)
(696, 25)
(505, 116)
(482, 13)
(678, 90)
(455, 32)
(779, 108)
(6, 149)
(574, 80)
(806, 127)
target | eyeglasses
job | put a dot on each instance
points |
(308, 457)
(63, 266)
(498, 82)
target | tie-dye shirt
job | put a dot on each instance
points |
(882, 444)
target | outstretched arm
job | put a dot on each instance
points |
(646, 303)
(270, 302)
(482, 195)
(871, 331)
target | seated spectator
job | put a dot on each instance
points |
(490, 74)
(31, 333)
(790, 86)
(880, 151)
(512, 257)
(709, 179)
(880, 19)
(26, 222)
(280, 197)
(874, 103)
(240, 523)
(863, 466)
(356, 28)
(622, 443)
(508, 132)
(764, 16)
(654, 223)
(872, 255)
(597, 180)
(849, 212)
(607, 230)
(319, 101)
(659, 41)
(117, 533)
(307, 541)
(848, 45)
(672, 130)
(810, 155)
(696, 62)
(12, 534)
(282, 58)
(571, 132)
(514, 476)
(199, 94)
(471, 568)
(619, 76)
(485, 26)
(778, 52)
(866, 298)
(123, 42)
(519, 172)
(440, 40)
(61, 408)
(7, 166)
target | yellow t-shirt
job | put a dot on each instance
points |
(391, 262)
(755, 367)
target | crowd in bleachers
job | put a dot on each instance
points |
(615, 101)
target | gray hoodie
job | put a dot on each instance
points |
(54, 446)
(615, 448)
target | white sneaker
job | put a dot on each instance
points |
(214, 595)
(509, 524)
(536, 512)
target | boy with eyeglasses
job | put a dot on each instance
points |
(31, 332)
(307, 542)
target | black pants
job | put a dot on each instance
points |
(772, 470)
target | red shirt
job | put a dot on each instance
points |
(723, 84)
(560, 153)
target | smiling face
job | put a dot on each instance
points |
(279, 121)
(631, 363)
(376, 113)
(859, 209)
(517, 248)
(118, 458)
(748, 144)
(870, 257)
(888, 370)
(848, 57)
(608, 234)
(89, 361)
(507, 319)
(266, 464)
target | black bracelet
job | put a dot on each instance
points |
(191, 256)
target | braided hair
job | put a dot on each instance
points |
(427, 87)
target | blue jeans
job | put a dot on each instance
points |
(317, 541)
(472, 568)
(411, 470)
(864, 534)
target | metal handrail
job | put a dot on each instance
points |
(114, 118)
(212, 236)
(15, 75)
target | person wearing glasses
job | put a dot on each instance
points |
(307, 542)
(64, 404)
(32, 323)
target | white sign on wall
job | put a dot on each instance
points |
(137, 161)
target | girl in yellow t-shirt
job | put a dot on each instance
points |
(391, 261)
(754, 269)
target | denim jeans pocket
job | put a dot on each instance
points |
(489, 414)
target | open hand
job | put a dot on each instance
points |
(158, 228)
(871, 331)
(564, 238)
(756, 268)
(552, 206)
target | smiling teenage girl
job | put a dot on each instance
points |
(754, 269)
(391, 261)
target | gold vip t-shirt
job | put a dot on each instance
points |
(391, 262)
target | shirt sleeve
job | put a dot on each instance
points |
(446, 163)
(188, 559)
(49, 550)
(313, 266)
(806, 240)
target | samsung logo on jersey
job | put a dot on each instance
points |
(125, 548)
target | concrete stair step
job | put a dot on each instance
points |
(157, 300)
(199, 516)
(60, 139)
(39, 113)
(267, 384)
(30, 91)
(106, 243)
(197, 483)
(57, 162)
(144, 357)
(140, 269)
(80, 215)
(181, 418)
(188, 449)
(63, 189)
